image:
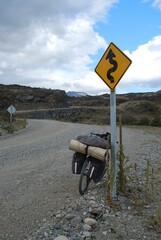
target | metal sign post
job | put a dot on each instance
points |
(111, 68)
(113, 139)
(11, 110)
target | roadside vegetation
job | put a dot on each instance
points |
(141, 187)
(7, 126)
(143, 121)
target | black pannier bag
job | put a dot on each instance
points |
(77, 162)
(96, 169)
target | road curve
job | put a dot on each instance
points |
(35, 175)
(35, 172)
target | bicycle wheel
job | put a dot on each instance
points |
(84, 179)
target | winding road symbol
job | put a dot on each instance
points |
(110, 57)
(112, 66)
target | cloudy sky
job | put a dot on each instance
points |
(57, 43)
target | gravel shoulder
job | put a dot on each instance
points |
(35, 171)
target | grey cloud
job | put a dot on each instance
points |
(125, 87)
(151, 83)
(20, 13)
(19, 19)
(27, 28)
(17, 14)
(12, 78)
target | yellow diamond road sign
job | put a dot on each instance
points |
(112, 66)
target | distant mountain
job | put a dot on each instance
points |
(76, 94)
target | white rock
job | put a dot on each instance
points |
(58, 216)
(86, 234)
(61, 238)
(90, 209)
(69, 216)
(90, 221)
(87, 227)
(92, 204)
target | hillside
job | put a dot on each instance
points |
(136, 108)
(26, 98)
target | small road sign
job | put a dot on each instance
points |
(11, 109)
(112, 66)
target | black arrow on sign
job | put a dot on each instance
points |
(110, 56)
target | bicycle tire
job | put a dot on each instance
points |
(84, 179)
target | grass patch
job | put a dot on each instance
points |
(16, 125)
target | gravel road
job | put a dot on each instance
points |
(35, 171)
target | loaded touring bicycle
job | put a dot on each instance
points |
(90, 158)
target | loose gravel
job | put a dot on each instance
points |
(39, 196)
